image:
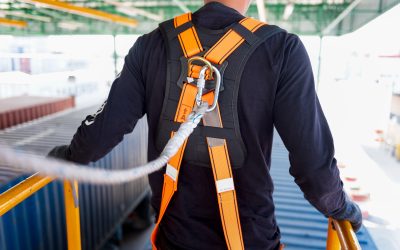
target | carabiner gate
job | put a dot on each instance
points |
(201, 81)
(201, 85)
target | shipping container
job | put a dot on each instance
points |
(21, 109)
(38, 223)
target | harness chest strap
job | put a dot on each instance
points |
(218, 152)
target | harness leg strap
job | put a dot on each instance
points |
(185, 106)
(223, 178)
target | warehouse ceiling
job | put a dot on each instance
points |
(304, 17)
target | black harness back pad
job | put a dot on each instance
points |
(196, 151)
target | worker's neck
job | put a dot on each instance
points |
(239, 6)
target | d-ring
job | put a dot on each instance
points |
(202, 59)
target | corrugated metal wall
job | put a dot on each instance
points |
(39, 222)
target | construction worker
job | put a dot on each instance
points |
(276, 90)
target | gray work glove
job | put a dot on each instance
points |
(350, 212)
(59, 152)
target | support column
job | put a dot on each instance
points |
(72, 217)
(321, 37)
(115, 55)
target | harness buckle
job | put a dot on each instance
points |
(201, 81)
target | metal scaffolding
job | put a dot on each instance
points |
(304, 17)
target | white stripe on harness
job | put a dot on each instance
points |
(225, 185)
(171, 172)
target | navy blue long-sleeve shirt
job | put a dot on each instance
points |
(277, 89)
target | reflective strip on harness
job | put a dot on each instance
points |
(224, 185)
(230, 42)
(188, 39)
(171, 172)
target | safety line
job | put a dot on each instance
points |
(29, 162)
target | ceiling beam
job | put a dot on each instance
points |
(181, 6)
(288, 11)
(124, 8)
(135, 12)
(340, 17)
(13, 23)
(27, 16)
(163, 3)
(50, 13)
(83, 11)
(261, 10)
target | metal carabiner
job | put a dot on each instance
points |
(201, 81)
(201, 85)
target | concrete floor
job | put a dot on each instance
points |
(388, 163)
(355, 109)
(383, 222)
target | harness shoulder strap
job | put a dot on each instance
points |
(237, 45)
(187, 35)
(218, 150)
(232, 40)
(190, 44)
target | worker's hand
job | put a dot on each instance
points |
(352, 213)
(59, 152)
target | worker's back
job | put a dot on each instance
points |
(276, 89)
(192, 220)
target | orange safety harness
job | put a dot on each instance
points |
(217, 147)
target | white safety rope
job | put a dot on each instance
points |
(64, 170)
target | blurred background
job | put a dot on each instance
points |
(58, 60)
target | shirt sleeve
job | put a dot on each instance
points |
(301, 123)
(125, 105)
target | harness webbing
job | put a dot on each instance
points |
(230, 42)
(218, 152)
(185, 106)
(194, 72)
(188, 39)
(222, 172)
